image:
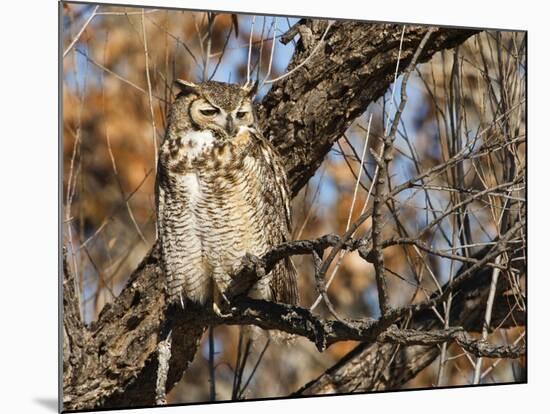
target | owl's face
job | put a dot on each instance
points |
(219, 107)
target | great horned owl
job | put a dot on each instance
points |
(221, 193)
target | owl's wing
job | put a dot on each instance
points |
(159, 197)
(279, 221)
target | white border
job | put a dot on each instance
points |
(28, 293)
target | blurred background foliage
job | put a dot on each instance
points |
(117, 88)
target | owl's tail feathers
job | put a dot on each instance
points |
(284, 289)
(284, 283)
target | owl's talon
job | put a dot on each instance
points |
(226, 300)
(218, 311)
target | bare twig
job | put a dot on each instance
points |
(487, 320)
(149, 88)
(243, 352)
(121, 189)
(321, 288)
(211, 366)
(250, 50)
(84, 26)
(270, 65)
(151, 11)
(112, 215)
(260, 358)
(211, 18)
(383, 164)
(311, 207)
(302, 63)
(222, 53)
(176, 39)
(116, 75)
(357, 182)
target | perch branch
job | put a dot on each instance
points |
(299, 321)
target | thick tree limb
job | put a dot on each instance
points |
(74, 332)
(114, 362)
(121, 346)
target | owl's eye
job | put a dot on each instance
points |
(241, 114)
(209, 112)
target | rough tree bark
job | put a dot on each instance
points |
(113, 362)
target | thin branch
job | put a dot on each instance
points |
(358, 180)
(428, 249)
(208, 46)
(243, 352)
(84, 26)
(149, 89)
(260, 358)
(211, 367)
(383, 164)
(270, 65)
(487, 320)
(121, 189)
(112, 215)
(116, 75)
(386, 129)
(321, 288)
(303, 62)
(127, 13)
(222, 53)
(311, 207)
(250, 50)
(177, 40)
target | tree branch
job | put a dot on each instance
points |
(361, 369)
(299, 321)
(383, 162)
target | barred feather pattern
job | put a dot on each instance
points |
(218, 199)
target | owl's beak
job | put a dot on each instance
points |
(230, 125)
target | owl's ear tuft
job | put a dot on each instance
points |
(185, 87)
(250, 89)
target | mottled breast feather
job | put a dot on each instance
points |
(216, 201)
